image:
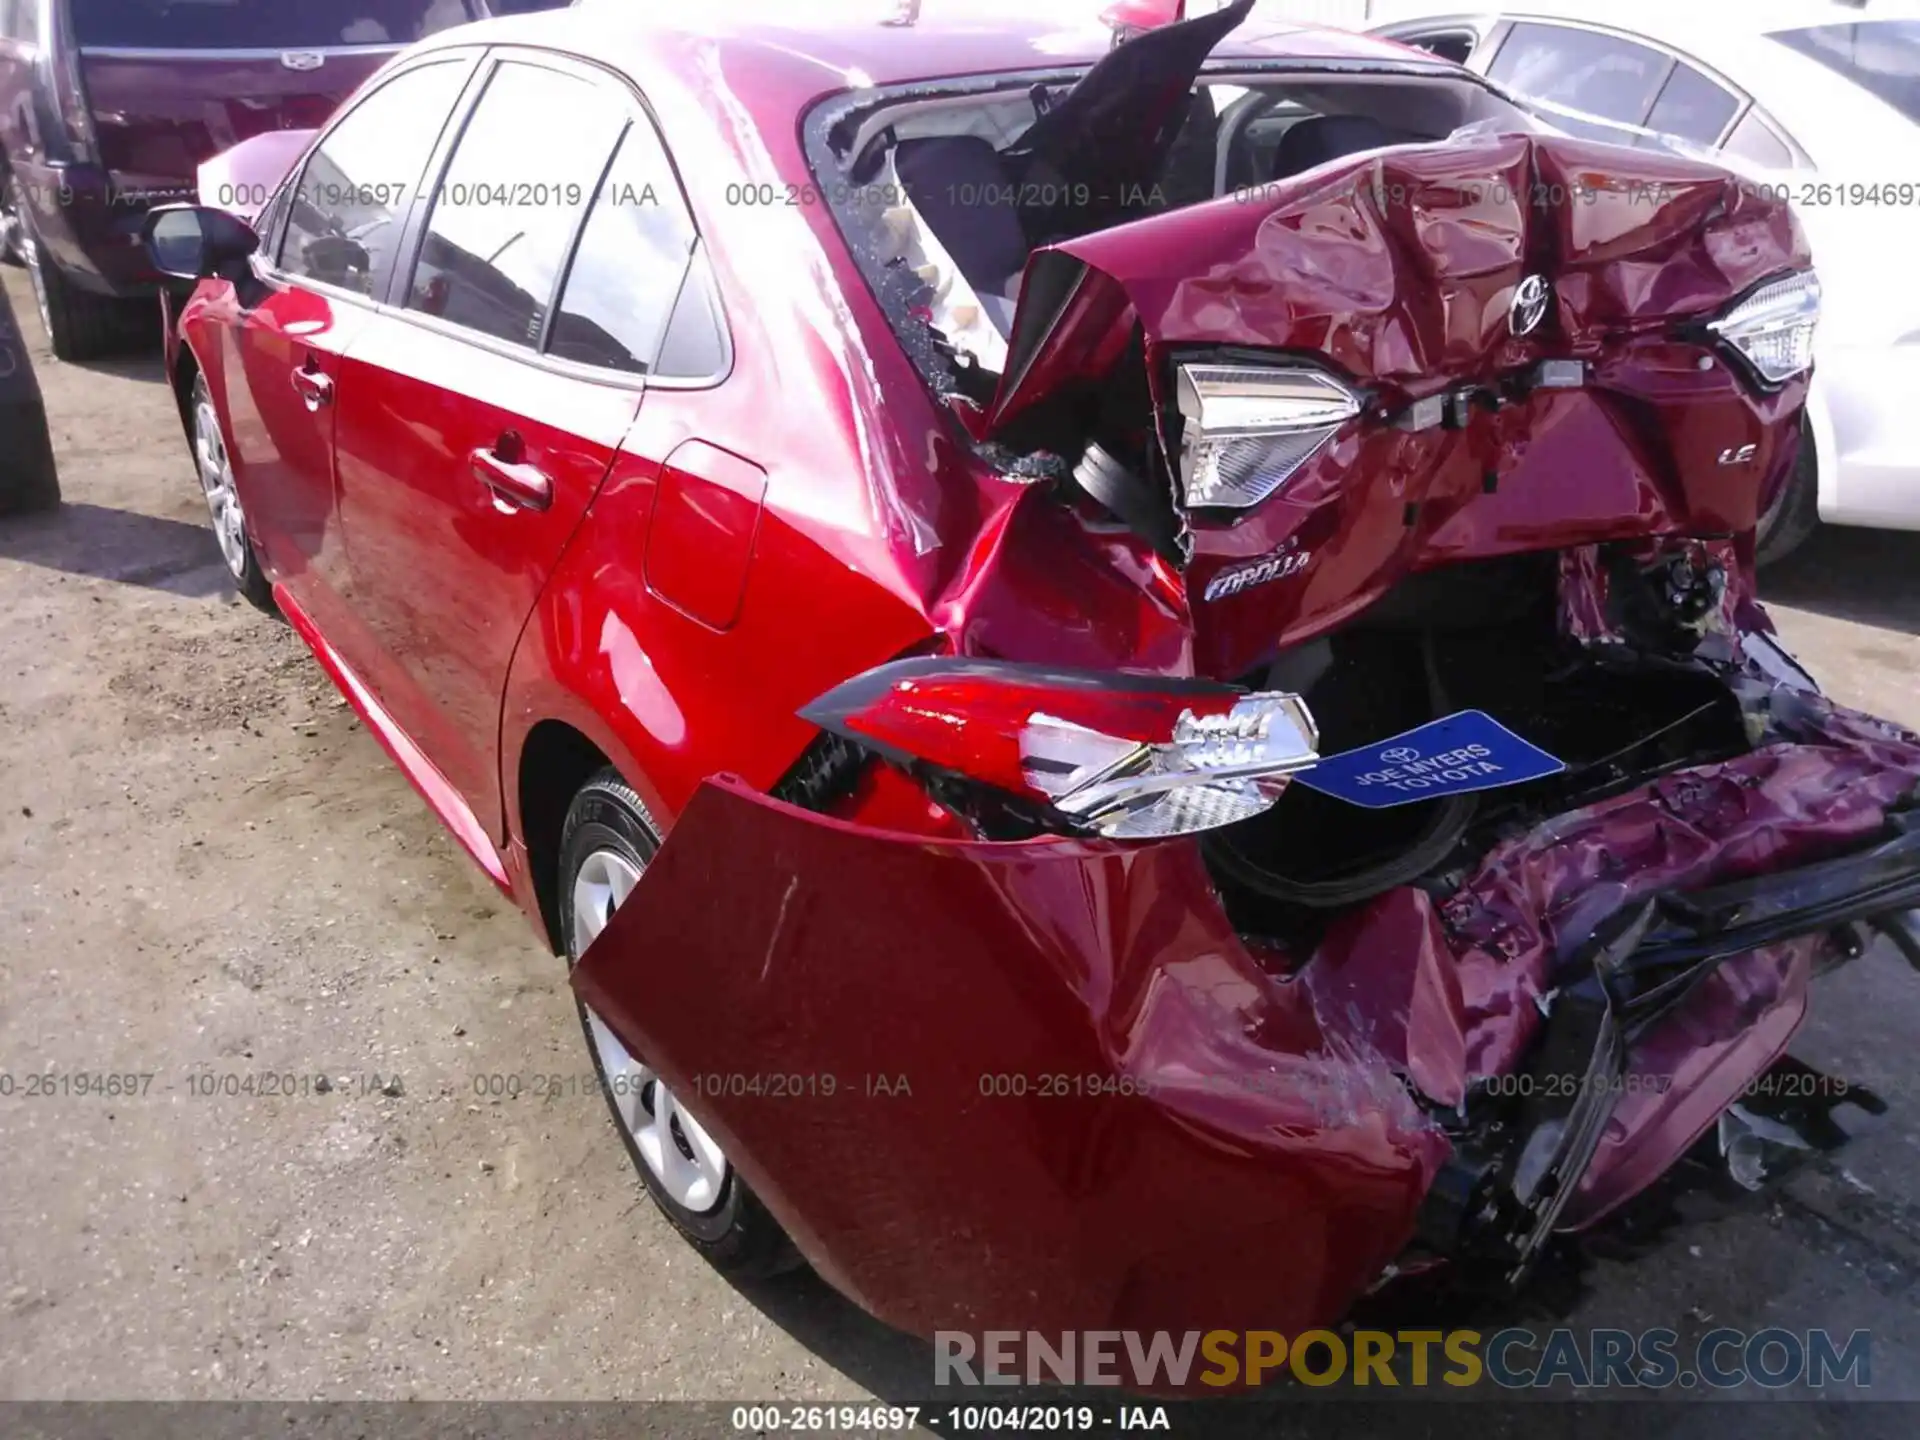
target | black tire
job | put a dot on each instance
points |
(737, 1236)
(244, 570)
(1795, 513)
(80, 325)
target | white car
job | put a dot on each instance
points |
(1820, 97)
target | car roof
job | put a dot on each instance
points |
(864, 42)
(1824, 112)
(1699, 28)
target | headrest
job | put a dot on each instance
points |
(960, 187)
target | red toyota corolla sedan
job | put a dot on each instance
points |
(1153, 643)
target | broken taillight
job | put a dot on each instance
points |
(1249, 428)
(1772, 329)
(1131, 757)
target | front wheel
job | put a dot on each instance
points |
(604, 846)
(215, 466)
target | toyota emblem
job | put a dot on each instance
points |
(1529, 305)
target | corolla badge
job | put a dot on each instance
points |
(1529, 305)
(1289, 560)
(302, 59)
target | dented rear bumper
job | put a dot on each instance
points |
(1044, 1085)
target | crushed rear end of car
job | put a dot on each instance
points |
(1382, 827)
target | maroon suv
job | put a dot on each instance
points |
(107, 106)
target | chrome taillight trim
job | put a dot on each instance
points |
(1251, 428)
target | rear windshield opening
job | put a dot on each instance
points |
(950, 194)
(1882, 57)
(261, 24)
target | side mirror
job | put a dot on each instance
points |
(196, 242)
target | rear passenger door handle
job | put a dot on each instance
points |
(523, 487)
(313, 387)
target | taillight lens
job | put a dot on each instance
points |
(1249, 428)
(1772, 328)
(1131, 757)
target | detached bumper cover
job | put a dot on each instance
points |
(1013, 988)
(1043, 1085)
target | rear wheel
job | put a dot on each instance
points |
(605, 845)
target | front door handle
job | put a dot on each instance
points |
(515, 485)
(313, 387)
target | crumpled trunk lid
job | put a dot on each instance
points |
(1398, 266)
(1397, 271)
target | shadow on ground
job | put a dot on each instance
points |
(119, 545)
(888, 1362)
(1871, 577)
(148, 365)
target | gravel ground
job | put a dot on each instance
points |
(209, 870)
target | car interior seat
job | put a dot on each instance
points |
(962, 190)
(1320, 138)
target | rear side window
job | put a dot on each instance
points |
(632, 260)
(263, 24)
(1693, 107)
(696, 346)
(510, 203)
(1598, 75)
(345, 214)
(1880, 56)
(1752, 140)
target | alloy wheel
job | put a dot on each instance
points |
(683, 1157)
(216, 479)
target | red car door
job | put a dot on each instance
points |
(331, 240)
(468, 448)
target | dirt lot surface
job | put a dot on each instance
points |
(209, 870)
